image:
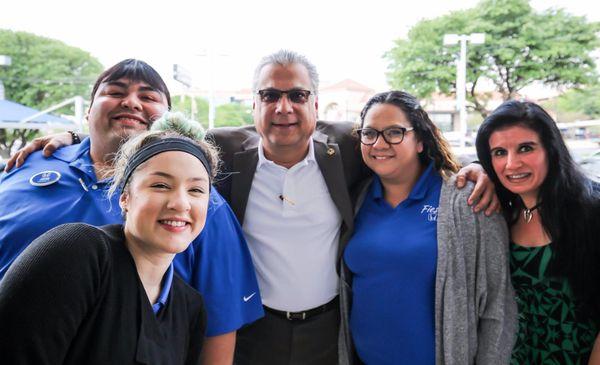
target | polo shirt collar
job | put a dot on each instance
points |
(78, 157)
(377, 189)
(262, 160)
(164, 292)
(418, 191)
(71, 153)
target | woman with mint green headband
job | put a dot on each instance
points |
(81, 294)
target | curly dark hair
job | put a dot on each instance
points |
(435, 146)
(570, 201)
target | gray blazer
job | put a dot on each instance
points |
(475, 308)
(336, 152)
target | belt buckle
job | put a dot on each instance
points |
(295, 316)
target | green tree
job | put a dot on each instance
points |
(43, 72)
(233, 115)
(522, 47)
(575, 104)
(584, 101)
(185, 106)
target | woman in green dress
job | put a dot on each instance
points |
(553, 213)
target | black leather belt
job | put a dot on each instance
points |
(304, 315)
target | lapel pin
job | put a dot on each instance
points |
(330, 151)
(45, 178)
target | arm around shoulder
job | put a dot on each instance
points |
(49, 144)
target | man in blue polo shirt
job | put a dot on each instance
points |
(70, 186)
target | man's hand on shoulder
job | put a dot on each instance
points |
(49, 144)
(484, 192)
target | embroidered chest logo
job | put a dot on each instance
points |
(431, 212)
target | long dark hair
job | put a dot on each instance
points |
(570, 201)
(435, 146)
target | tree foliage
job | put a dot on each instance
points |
(232, 114)
(522, 47)
(43, 72)
(184, 105)
(576, 104)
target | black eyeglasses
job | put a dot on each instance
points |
(296, 96)
(392, 135)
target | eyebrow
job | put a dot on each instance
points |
(520, 144)
(396, 125)
(125, 86)
(169, 176)
(295, 88)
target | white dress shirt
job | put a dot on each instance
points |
(292, 227)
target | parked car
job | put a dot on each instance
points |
(591, 165)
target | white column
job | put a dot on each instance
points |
(461, 85)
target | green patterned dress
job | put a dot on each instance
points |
(548, 332)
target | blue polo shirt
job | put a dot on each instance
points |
(217, 263)
(161, 302)
(392, 257)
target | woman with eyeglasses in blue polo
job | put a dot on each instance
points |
(424, 279)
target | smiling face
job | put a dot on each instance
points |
(519, 159)
(122, 109)
(394, 163)
(285, 126)
(165, 204)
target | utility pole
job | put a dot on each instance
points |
(211, 56)
(183, 76)
(4, 61)
(461, 75)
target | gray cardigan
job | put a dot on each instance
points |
(475, 308)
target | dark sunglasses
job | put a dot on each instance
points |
(296, 96)
(392, 135)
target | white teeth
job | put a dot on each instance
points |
(381, 157)
(174, 223)
(517, 176)
(129, 119)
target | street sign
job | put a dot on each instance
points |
(182, 75)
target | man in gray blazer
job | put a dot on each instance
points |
(289, 188)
